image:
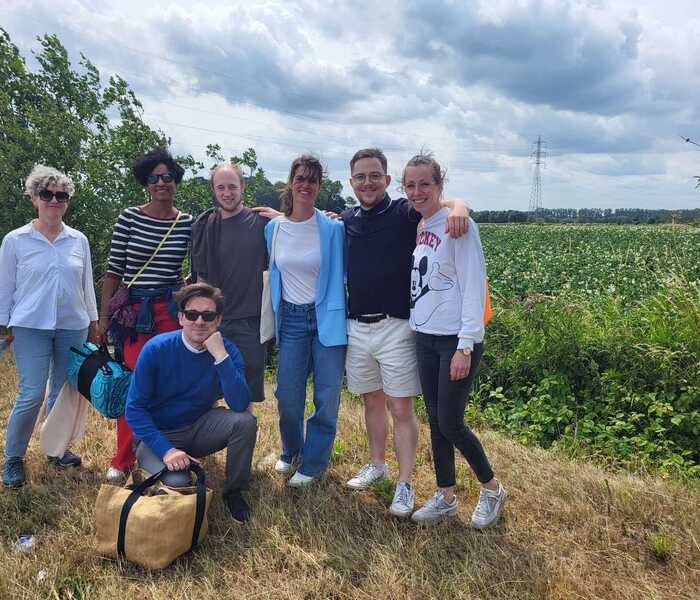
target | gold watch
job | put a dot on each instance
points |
(466, 351)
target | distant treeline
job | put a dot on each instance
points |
(622, 216)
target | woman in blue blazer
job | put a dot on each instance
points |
(308, 298)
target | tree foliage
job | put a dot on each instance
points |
(64, 116)
(620, 216)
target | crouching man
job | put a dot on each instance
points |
(178, 377)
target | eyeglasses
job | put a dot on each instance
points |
(373, 177)
(47, 196)
(207, 315)
(166, 177)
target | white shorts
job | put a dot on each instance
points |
(382, 356)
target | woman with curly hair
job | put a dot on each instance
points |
(149, 245)
(48, 298)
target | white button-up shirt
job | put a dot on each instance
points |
(46, 285)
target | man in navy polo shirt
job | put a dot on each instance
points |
(380, 237)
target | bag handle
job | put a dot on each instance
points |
(143, 486)
(103, 350)
(78, 352)
(158, 247)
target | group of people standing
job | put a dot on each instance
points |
(393, 293)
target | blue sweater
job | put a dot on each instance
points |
(172, 387)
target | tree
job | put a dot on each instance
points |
(61, 117)
(331, 197)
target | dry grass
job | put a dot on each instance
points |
(569, 531)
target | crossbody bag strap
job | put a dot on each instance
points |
(158, 247)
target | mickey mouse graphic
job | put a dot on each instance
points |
(420, 285)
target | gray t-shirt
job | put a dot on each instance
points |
(231, 254)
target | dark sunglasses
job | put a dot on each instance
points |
(207, 315)
(164, 177)
(47, 196)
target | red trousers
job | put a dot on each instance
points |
(124, 457)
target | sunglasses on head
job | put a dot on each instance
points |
(47, 196)
(164, 177)
(207, 315)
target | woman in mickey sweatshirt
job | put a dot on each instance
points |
(448, 297)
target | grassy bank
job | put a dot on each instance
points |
(569, 530)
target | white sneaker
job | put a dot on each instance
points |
(283, 467)
(367, 474)
(488, 507)
(404, 500)
(115, 476)
(436, 509)
(300, 480)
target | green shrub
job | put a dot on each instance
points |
(599, 379)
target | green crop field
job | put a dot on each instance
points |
(594, 348)
(631, 262)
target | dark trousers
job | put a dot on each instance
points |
(215, 430)
(245, 333)
(445, 401)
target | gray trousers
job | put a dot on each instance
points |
(215, 430)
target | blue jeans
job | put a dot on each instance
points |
(37, 351)
(301, 353)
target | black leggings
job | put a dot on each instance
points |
(445, 401)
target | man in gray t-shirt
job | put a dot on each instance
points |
(229, 252)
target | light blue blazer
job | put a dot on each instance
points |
(330, 292)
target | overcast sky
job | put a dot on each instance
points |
(610, 85)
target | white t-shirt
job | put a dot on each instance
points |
(298, 257)
(448, 282)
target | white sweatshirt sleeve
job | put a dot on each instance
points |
(471, 278)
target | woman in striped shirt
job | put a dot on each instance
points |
(149, 244)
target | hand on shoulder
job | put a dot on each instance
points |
(266, 211)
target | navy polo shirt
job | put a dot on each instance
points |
(379, 244)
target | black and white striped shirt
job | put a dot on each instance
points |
(135, 238)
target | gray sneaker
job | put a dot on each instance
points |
(367, 474)
(488, 507)
(435, 509)
(404, 500)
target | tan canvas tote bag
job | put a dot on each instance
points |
(151, 531)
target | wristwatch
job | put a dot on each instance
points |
(466, 351)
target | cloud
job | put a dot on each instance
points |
(559, 54)
(264, 57)
(609, 85)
